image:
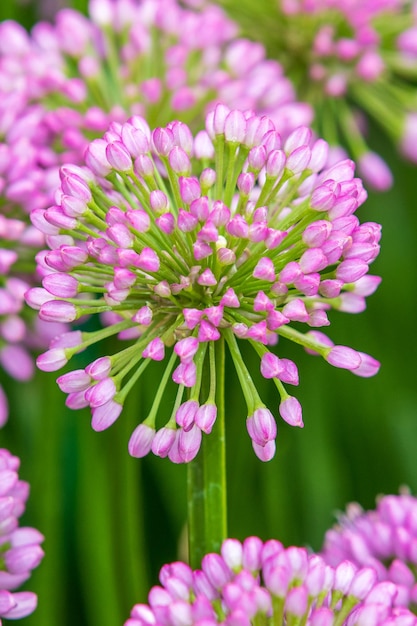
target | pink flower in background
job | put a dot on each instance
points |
(253, 582)
(354, 61)
(20, 550)
(384, 539)
(181, 241)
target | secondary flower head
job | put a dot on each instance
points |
(193, 241)
(255, 582)
(354, 61)
(384, 539)
(64, 83)
(20, 550)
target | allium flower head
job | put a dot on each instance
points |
(20, 550)
(64, 83)
(256, 582)
(353, 60)
(385, 539)
(186, 240)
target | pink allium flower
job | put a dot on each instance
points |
(352, 60)
(184, 259)
(64, 83)
(20, 550)
(253, 582)
(384, 539)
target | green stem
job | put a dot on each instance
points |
(206, 478)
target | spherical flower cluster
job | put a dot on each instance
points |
(264, 583)
(64, 83)
(189, 241)
(348, 59)
(20, 550)
(385, 539)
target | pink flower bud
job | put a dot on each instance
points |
(189, 443)
(291, 412)
(344, 357)
(140, 442)
(105, 415)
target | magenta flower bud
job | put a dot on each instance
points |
(291, 412)
(58, 311)
(179, 161)
(148, 260)
(163, 441)
(186, 348)
(140, 442)
(264, 270)
(344, 574)
(296, 310)
(105, 415)
(319, 155)
(351, 270)
(155, 350)
(163, 141)
(166, 222)
(134, 140)
(275, 163)
(205, 417)
(313, 260)
(189, 189)
(186, 413)
(185, 374)
(144, 166)
(330, 288)
(25, 602)
(186, 222)
(271, 366)
(207, 332)
(238, 227)
(261, 426)
(98, 369)
(73, 185)
(257, 158)
(101, 393)
(216, 570)
(343, 357)
(189, 442)
(139, 219)
(61, 285)
(316, 233)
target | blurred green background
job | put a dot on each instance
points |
(110, 521)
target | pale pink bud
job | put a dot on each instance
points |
(207, 278)
(25, 602)
(261, 426)
(52, 360)
(375, 171)
(61, 285)
(232, 553)
(140, 442)
(368, 367)
(344, 357)
(99, 369)
(58, 311)
(77, 380)
(22, 559)
(101, 393)
(189, 443)
(362, 583)
(235, 127)
(163, 141)
(105, 415)
(291, 412)
(216, 570)
(205, 417)
(163, 441)
(264, 453)
(189, 189)
(185, 414)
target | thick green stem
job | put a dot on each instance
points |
(207, 503)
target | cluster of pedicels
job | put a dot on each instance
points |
(64, 83)
(384, 539)
(353, 61)
(189, 242)
(253, 583)
(20, 550)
